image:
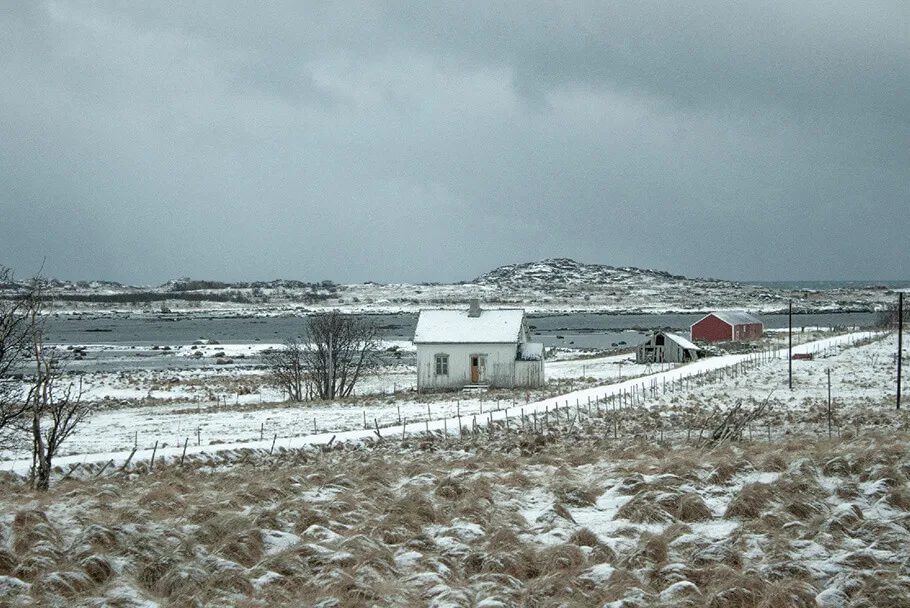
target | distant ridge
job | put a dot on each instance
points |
(553, 284)
(556, 272)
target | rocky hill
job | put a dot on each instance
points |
(556, 284)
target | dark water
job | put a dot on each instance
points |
(826, 285)
(140, 334)
(177, 330)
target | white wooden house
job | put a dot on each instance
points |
(476, 347)
(664, 347)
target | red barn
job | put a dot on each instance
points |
(725, 326)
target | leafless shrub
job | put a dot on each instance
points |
(338, 350)
(729, 426)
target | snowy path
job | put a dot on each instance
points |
(605, 394)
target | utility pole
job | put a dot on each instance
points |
(829, 402)
(790, 338)
(900, 343)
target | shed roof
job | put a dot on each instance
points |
(493, 326)
(683, 343)
(733, 317)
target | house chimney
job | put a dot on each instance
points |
(474, 311)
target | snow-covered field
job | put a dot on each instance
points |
(616, 504)
(181, 410)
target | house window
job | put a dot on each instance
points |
(442, 365)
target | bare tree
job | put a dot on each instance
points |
(730, 425)
(340, 349)
(289, 371)
(337, 350)
(54, 402)
(15, 341)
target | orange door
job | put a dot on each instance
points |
(475, 369)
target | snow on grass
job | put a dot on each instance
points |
(565, 516)
(111, 435)
(430, 526)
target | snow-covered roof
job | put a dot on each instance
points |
(683, 343)
(733, 317)
(494, 326)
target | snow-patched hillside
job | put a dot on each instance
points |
(557, 284)
(565, 282)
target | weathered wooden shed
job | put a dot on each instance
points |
(476, 347)
(664, 347)
(728, 326)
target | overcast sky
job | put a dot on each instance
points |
(432, 141)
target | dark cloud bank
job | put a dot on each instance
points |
(426, 141)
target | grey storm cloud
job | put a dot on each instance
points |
(427, 141)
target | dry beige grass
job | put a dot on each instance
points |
(751, 501)
(389, 526)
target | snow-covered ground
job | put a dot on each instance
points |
(591, 509)
(195, 418)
